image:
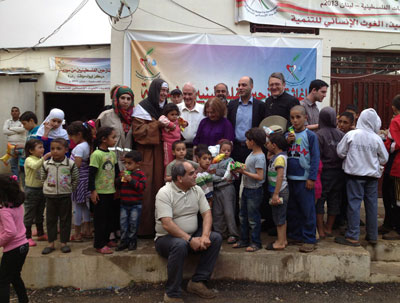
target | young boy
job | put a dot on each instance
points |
(303, 162)
(60, 178)
(252, 195)
(29, 122)
(278, 187)
(332, 176)
(204, 177)
(346, 122)
(179, 151)
(353, 110)
(132, 184)
(364, 153)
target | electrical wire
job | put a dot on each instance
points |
(208, 19)
(44, 39)
(358, 77)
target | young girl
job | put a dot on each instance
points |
(12, 239)
(81, 134)
(171, 131)
(102, 173)
(51, 128)
(34, 199)
(224, 196)
(252, 196)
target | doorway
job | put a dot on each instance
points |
(76, 106)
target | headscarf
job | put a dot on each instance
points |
(124, 115)
(58, 132)
(152, 103)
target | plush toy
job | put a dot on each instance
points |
(236, 165)
(182, 123)
(9, 154)
(218, 158)
(126, 173)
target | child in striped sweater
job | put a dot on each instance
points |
(132, 183)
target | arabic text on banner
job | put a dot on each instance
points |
(378, 15)
(82, 73)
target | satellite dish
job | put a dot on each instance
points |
(118, 9)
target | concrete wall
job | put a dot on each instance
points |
(29, 96)
(222, 12)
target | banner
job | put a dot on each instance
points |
(206, 60)
(83, 73)
(366, 15)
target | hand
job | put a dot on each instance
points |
(46, 156)
(47, 128)
(290, 138)
(310, 184)
(160, 124)
(275, 200)
(212, 170)
(205, 242)
(128, 178)
(195, 244)
(94, 197)
(240, 170)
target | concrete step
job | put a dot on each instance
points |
(384, 272)
(385, 250)
(85, 269)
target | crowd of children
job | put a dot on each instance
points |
(347, 147)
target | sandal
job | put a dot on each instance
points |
(252, 248)
(105, 250)
(76, 239)
(240, 244)
(270, 246)
(48, 250)
(307, 248)
(344, 241)
(232, 240)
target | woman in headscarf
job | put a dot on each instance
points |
(119, 117)
(147, 134)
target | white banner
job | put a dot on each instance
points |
(382, 15)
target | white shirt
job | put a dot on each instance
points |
(193, 117)
(15, 132)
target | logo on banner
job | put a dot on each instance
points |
(259, 8)
(294, 72)
(148, 65)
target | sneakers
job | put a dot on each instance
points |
(105, 250)
(172, 300)
(200, 289)
(65, 249)
(48, 250)
(31, 242)
(122, 246)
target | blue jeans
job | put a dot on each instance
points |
(129, 219)
(359, 189)
(250, 218)
(14, 163)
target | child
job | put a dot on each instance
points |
(332, 176)
(12, 239)
(224, 199)
(346, 122)
(34, 200)
(303, 162)
(60, 178)
(29, 122)
(252, 195)
(102, 173)
(353, 110)
(51, 128)
(80, 133)
(132, 183)
(278, 187)
(171, 131)
(204, 177)
(179, 152)
(364, 153)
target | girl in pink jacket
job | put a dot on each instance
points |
(12, 239)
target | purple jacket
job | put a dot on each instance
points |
(210, 132)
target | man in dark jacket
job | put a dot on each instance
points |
(280, 102)
(244, 113)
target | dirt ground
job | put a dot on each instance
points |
(230, 292)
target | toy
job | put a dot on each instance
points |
(126, 173)
(236, 165)
(218, 158)
(291, 130)
(182, 123)
(9, 154)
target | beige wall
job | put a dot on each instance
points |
(29, 96)
(222, 12)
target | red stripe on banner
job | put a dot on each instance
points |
(240, 3)
(68, 84)
(303, 11)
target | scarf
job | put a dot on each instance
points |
(152, 103)
(124, 115)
